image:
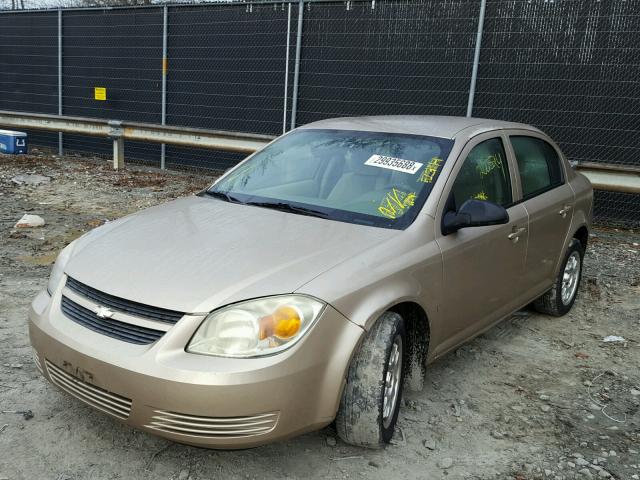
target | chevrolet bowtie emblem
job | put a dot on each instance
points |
(103, 312)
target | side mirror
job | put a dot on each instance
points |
(474, 213)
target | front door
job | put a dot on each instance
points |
(482, 266)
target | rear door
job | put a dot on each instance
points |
(482, 266)
(549, 201)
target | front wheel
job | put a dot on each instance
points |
(371, 399)
(560, 298)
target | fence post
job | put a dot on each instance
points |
(476, 58)
(296, 71)
(163, 148)
(286, 71)
(60, 142)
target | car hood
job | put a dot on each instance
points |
(196, 254)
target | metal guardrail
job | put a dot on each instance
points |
(612, 178)
(142, 132)
(615, 178)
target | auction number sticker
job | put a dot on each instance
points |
(392, 163)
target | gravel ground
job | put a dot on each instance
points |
(535, 397)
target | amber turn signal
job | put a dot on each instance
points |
(283, 323)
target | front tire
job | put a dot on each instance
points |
(371, 399)
(560, 298)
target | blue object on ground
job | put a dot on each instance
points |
(13, 142)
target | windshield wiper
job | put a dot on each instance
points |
(222, 195)
(287, 207)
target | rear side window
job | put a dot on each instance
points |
(538, 163)
(484, 175)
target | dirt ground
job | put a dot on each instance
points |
(536, 397)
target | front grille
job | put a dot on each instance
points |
(105, 401)
(122, 305)
(212, 427)
(107, 326)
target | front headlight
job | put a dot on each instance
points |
(256, 327)
(58, 268)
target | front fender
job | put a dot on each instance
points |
(406, 268)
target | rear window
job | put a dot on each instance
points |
(538, 163)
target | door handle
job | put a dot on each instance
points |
(515, 235)
(565, 210)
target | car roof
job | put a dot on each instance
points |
(429, 125)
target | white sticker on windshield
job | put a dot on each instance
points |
(392, 163)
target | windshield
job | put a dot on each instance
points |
(370, 178)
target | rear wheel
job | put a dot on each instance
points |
(560, 298)
(371, 399)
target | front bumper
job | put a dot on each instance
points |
(196, 399)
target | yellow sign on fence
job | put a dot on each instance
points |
(100, 93)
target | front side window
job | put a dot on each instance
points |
(371, 178)
(538, 164)
(484, 175)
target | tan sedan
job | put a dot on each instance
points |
(314, 279)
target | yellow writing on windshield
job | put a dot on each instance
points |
(396, 202)
(430, 170)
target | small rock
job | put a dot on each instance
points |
(545, 408)
(445, 463)
(635, 392)
(571, 465)
(613, 339)
(16, 365)
(331, 441)
(585, 472)
(544, 398)
(29, 179)
(184, 475)
(28, 221)
(95, 223)
(374, 464)
(497, 435)
(604, 474)
(429, 443)
(581, 462)
(612, 453)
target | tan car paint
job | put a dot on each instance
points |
(483, 267)
(302, 385)
(188, 256)
(231, 252)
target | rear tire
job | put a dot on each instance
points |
(560, 298)
(372, 396)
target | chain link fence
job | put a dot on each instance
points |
(569, 67)
(29, 65)
(386, 58)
